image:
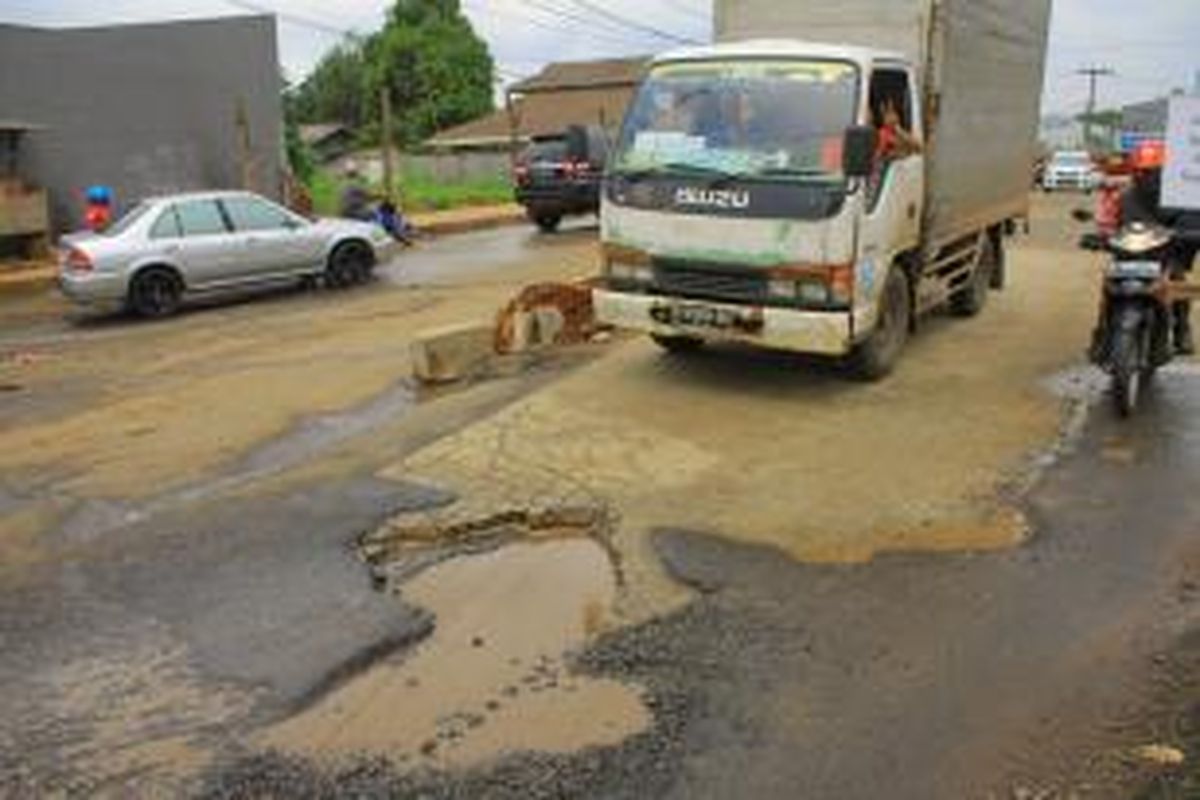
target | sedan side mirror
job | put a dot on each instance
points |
(858, 151)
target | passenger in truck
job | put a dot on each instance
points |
(895, 142)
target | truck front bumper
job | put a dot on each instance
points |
(819, 333)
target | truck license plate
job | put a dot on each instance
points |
(691, 315)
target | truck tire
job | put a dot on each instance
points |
(876, 358)
(678, 345)
(548, 223)
(971, 299)
(1000, 267)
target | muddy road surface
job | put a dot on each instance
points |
(243, 556)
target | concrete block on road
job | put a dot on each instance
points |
(453, 353)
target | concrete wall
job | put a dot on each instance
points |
(451, 167)
(146, 109)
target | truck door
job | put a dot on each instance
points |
(894, 192)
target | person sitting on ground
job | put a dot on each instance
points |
(355, 199)
(388, 216)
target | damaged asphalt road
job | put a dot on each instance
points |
(257, 598)
(182, 593)
(1032, 673)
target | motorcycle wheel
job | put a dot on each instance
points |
(1128, 373)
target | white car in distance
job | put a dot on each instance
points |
(1071, 170)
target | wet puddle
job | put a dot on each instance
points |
(493, 677)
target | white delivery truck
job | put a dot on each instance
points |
(750, 196)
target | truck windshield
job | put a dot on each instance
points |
(770, 119)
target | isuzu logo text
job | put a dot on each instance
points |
(712, 198)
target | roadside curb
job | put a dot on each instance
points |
(26, 281)
(443, 224)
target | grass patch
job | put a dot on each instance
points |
(418, 192)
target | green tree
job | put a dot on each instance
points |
(334, 91)
(435, 67)
(299, 157)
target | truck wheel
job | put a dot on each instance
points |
(1000, 265)
(875, 358)
(971, 299)
(548, 223)
(678, 345)
(155, 293)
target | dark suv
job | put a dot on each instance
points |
(559, 176)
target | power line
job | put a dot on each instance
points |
(606, 27)
(587, 5)
(294, 19)
(600, 36)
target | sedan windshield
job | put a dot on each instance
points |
(741, 118)
(1072, 160)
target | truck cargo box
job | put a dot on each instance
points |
(982, 66)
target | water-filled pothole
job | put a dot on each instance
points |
(514, 596)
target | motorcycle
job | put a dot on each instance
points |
(1133, 337)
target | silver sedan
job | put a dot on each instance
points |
(169, 248)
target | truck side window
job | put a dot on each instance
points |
(892, 116)
(889, 87)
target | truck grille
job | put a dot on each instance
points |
(710, 282)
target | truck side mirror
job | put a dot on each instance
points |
(858, 151)
(577, 144)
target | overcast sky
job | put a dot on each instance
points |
(1151, 44)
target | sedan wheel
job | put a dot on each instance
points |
(155, 293)
(349, 265)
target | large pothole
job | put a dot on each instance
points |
(514, 595)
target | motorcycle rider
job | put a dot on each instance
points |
(1141, 202)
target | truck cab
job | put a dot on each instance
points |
(749, 199)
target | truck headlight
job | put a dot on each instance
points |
(782, 289)
(813, 293)
(630, 273)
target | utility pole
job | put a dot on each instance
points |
(1093, 74)
(241, 120)
(385, 103)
